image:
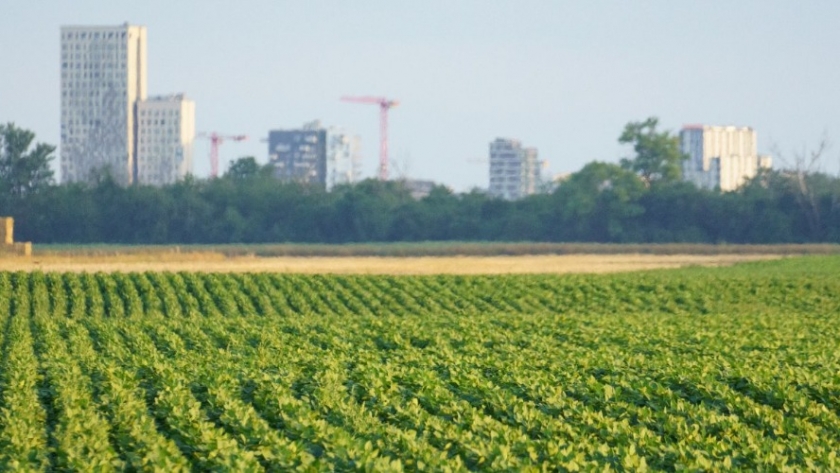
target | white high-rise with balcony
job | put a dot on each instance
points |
(103, 76)
(165, 135)
(514, 170)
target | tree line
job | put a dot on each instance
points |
(640, 200)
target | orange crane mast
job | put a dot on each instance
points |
(384, 106)
(217, 139)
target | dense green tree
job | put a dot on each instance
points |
(466, 222)
(674, 212)
(23, 169)
(657, 153)
(364, 211)
(599, 203)
(640, 200)
(247, 167)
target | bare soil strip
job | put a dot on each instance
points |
(418, 249)
(214, 262)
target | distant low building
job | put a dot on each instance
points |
(514, 170)
(419, 188)
(720, 157)
(550, 184)
(561, 177)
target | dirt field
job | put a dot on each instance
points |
(214, 262)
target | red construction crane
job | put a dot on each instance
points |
(384, 106)
(217, 139)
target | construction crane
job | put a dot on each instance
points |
(384, 106)
(217, 139)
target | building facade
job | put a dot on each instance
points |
(720, 157)
(514, 170)
(299, 155)
(419, 188)
(103, 76)
(343, 158)
(314, 155)
(165, 135)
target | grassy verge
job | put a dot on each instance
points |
(433, 249)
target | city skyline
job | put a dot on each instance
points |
(565, 81)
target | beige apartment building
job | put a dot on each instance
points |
(721, 157)
(103, 76)
(165, 136)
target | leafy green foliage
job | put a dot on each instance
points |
(640, 201)
(601, 202)
(23, 170)
(700, 369)
(657, 154)
(247, 168)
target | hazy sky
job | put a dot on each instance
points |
(561, 76)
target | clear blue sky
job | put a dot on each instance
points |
(561, 76)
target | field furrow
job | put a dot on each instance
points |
(699, 369)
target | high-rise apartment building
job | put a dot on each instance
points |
(514, 170)
(343, 159)
(103, 76)
(720, 157)
(314, 155)
(165, 134)
(299, 155)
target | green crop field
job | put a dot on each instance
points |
(699, 368)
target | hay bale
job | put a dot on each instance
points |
(23, 248)
(7, 239)
(7, 229)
